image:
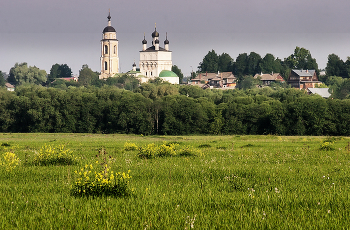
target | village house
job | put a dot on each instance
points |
(9, 87)
(215, 80)
(267, 79)
(303, 79)
(73, 78)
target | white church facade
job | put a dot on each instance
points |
(155, 61)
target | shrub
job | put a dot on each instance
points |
(48, 155)
(130, 146)
(148, 151)
(327, 146)
(9, 161)
(91, 181)
(166, 150)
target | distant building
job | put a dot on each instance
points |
(303, 79)
(323, 92)
(109, 51)
(74, 78)
(156, 61)
(215, 80)
(267, 79)
(9, 87)
(135, 71)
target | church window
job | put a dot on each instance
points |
(106, 49)
(115, 49)
(106, 65)
(146, 74)
(151, 73)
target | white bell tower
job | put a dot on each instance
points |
(109, 51)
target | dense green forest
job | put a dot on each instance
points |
(121, 105)
(173, 110)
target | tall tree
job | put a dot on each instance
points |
(87, 76)
(301, 59)
(21, 73)
(336, 66)
(2, 79)
(270, 65)
(253, 62)
(347, 67)
(65, 71)
(53, 72)
(209, 63)
(225, 63)
(59, 71)
(241, 65)
(178, 72)
(267, 64)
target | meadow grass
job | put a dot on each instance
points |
(238, 182)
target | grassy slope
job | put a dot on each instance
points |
(240, 182)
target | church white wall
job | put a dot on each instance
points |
(152, 63)
(172, 80)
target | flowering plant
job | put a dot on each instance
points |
(327, 146)
(49, 155)
(9, 161)
(130, 146)
(93, 182)
(166, 150)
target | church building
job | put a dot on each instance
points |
(109, 51)
(156, 61)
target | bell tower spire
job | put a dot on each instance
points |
(109, 18)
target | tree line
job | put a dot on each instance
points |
(161, 108)
(252, 63)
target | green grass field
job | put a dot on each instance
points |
(239, 182)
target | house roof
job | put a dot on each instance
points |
(323, 92)
(68, 78)
(8, 85)
(220, 76)
(269, 77)
(304, 73)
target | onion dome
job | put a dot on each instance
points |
(156, 41)
(144, 40)
(134, 65)
(155, 33)
(166, 42)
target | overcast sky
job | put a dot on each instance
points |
(45, 32)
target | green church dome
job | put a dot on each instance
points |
(167, 73)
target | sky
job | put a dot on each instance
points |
(45, 32)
